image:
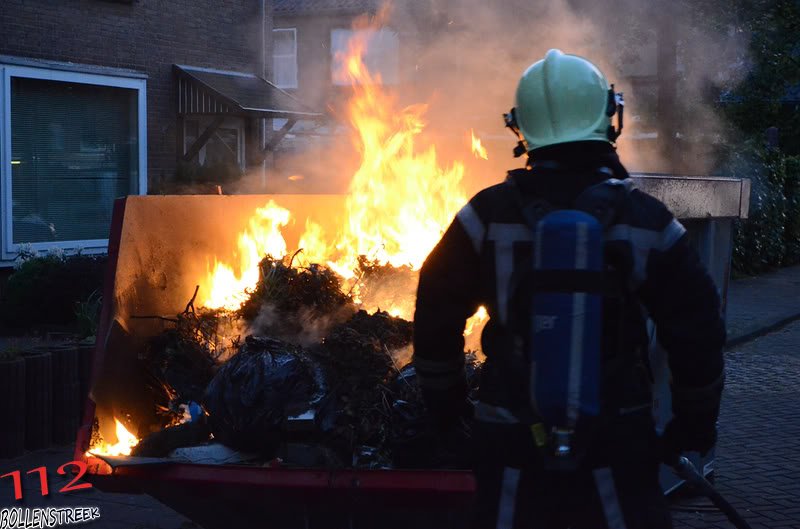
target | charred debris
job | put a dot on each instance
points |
(298, 373)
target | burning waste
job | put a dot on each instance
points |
(346, 394)
(283, 347)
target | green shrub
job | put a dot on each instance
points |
(759, 241)
(9, 354)
(791, 232)
(87, 314)
(45, 290)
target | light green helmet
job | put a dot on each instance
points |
(564, 98)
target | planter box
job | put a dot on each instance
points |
(66, 393)
(12, 408)
(38, 400)
(85, 356)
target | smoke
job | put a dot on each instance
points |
(402, 357)
(470, 62)
(305, 327)
(464, 58)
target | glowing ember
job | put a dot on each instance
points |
(477, 147)
(125, 443)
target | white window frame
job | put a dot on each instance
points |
(293, 55)
(9, 250)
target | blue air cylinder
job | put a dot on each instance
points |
(566, 328)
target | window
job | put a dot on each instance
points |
(284, 57)
(382, 56)
(72, 143)
(224, 147)
(277, 124)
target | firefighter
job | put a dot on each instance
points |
(563, 116)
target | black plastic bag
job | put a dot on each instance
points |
(253, 394)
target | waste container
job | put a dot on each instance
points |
(158, 247)
(707, 207)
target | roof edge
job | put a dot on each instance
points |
(306, 112)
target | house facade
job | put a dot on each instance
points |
(482, 64)
(308, 35)
(105, 98)
(410, 53)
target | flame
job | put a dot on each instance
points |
(473, 331)
(125, 443)
(313, 245)
(476, 321)
(399, 202)
(228, 288)
(477, 147)
(400, 199)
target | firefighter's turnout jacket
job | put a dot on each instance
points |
(475, 261)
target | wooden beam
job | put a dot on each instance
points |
(180, 139)
(203, 138)
(279, 135)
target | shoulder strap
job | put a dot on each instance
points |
(533, 209)
(604, 200)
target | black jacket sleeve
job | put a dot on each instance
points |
(446, 297)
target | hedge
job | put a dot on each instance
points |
(770, 237)
(52, 291)
(791, 191)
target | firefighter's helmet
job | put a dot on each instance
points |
(564, 98)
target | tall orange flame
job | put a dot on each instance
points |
(400, 200)
(226, 287)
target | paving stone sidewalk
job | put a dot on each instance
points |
(759, 304)
(758, 454)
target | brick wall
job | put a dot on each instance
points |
(145, 35)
